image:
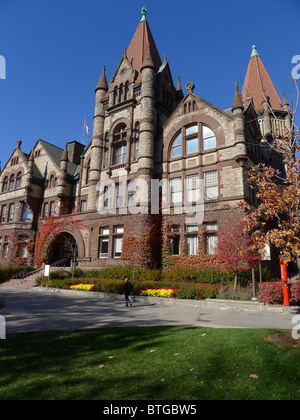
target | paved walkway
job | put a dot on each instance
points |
(31, 310)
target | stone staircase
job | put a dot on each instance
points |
(27, 280)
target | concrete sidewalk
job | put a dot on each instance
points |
(40, 310)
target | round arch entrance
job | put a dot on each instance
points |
(63, 247)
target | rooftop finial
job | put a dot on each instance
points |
(144, 13)
(254, 52)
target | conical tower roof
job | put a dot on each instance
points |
(258, 81)
(139, 44)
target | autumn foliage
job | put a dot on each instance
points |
(276, 218)
(236, 250)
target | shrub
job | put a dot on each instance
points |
(270, 293)
(295, 293)
(60, 275)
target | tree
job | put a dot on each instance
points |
(236, 250)
(275, 220)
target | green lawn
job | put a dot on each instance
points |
(178, 363)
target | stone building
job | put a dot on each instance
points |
(154, 150)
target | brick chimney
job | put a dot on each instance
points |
(75, 151)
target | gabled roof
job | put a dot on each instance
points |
(138, 47)
(56, 154)
(258, 81)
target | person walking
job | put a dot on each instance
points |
(127, 289)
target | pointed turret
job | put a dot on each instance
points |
(237, 100)
(148, 61)
(257, 79)
(102, 84)
(179, 91)
(64, 157)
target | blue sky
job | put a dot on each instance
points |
(55, 50)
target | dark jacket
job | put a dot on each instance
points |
(128, 287)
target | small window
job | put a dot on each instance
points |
(118, 246)
(192, 193)
(103, 242)
(211, 238)
(5, 184)
(52, 182)
(26, 213)
(52, 209)
(177, 147)
(209, 139)
(120, 154)
(11, 212)
(175, 240)
(46, 210)
(211, 185)
(83, 206)
(12, 182)
(19, 180)
(3, 213)
(176, 190)
(191, 130)
(192, 146)
(88, 169)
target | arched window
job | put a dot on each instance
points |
(12, 182)
(19, 180)
(105, 159)
(115, 95)
(121, 93)
(209, 139)
(192, 139)
(177, 147)
(126, 96)
(120, 145)
(5, 184)
(52, 181)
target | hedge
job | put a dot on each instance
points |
(185, 290)
(175, 274)
(7, 271)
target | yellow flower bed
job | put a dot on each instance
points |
(158, 292)
(81, 286)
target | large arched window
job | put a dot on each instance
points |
(192, 139)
